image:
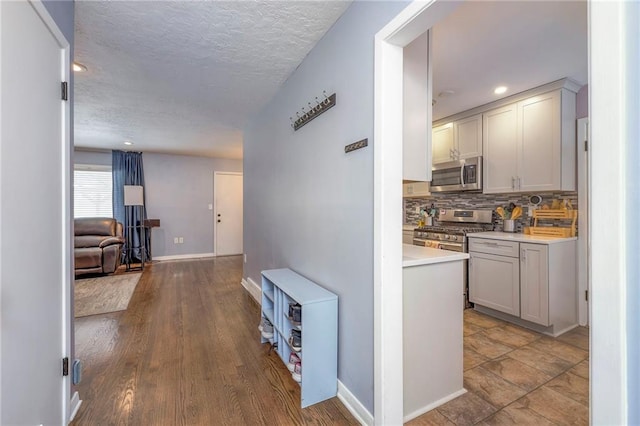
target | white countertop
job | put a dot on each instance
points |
(417, 255)
(521, 238)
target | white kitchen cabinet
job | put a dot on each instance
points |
(530, 145)
(415, 189)
(494, 281)
(541, 272)
(467, 134)
(457, 140)
(500, 149)
(442, 143)
(534, 283)
(416, 98)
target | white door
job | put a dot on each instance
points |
(494, 282)
(442, 143)
(500, 149)
(35, 213)
(228, 213)
(534, 283)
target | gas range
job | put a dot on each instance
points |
(454, 225)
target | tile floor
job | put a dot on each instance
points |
(517, 376)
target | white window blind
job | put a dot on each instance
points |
(92, 191)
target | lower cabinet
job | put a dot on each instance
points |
(534, 283)
(530, 281)
(494, 282)
(300, 322)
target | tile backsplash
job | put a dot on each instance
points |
(466, 200)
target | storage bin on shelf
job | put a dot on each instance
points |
(553, 231)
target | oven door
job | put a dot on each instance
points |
(459, 247)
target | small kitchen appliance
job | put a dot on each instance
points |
(456, 176)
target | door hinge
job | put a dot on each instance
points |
(65, 366)
(65, 91)
(586, 145)
(586, 295)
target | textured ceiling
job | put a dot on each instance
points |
(484, 44)
(184, 77)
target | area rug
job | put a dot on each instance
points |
(104, 294)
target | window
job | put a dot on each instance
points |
(92, 191)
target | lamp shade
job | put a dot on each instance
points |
(133, 195)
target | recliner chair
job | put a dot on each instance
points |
(98, 245)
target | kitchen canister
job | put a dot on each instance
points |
(508, 225)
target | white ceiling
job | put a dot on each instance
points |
(518, 44)
(184, 77)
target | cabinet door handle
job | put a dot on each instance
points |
(513, 182)
(519, 184)
(523, 255)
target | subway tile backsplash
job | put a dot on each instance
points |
(465, 200)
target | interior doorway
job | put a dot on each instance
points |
(228, 211)
(36, 259)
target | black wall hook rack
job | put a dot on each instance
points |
(312, 111)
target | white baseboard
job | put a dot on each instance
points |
(74, 406)
(354, 406)
(433, 405)
(183, 256)
(254, 289)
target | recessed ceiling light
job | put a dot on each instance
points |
(78, 67)
(128, 143)
(500, 90)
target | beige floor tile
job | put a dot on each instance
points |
(467, 409)
(582, 369)
(432, 418)
(482, 320)
(575, 387)
(517, 413)
(472, 358)
(578, 337)
(470, 328)
(492, 388)
(529, 334)
(507, 336)
(485, 346)
(556, 407)
(559, 349)
(543, 361)
(517, 373)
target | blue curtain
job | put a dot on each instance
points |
(128, 169)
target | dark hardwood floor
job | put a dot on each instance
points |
(187, 352)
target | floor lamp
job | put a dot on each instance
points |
(134, 198)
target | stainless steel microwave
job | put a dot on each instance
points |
(457, 176)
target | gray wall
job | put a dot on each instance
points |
(178, 191)
(308, 205)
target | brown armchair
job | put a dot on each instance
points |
(98, 245)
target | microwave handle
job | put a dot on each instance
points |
(462, 174)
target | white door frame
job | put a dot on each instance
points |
(414, 20)
(583, 221)
(613, 109)
(66, 227)
(614, 90)
(215, 207)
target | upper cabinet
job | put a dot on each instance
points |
(417, 110)
(457, 140)
(530, 145)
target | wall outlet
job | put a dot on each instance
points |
(175, 240)
(417, 210)
(181, 240)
